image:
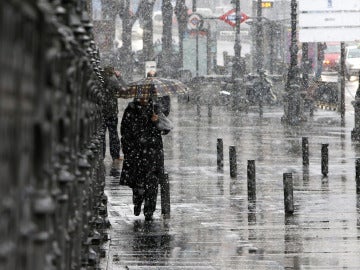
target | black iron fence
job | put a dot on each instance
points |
(52, 204)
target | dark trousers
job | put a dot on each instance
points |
(111, 123)
(147, 194)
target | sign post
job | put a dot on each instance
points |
(195, 23)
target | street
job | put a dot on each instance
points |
(213, 225)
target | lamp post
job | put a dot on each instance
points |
(259, 37)
(236, 69)
(293, 47)
(293, 103)
(197, 41)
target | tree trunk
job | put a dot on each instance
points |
(126, 51)
(181, 15)
(126, 61)
(166, 54)
(146, 15)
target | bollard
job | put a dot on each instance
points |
(209, 110)
(305, 151)
(232, 159)
(198, 109)
(220, 154)
(306, 175)
(165, 196)
(288, 193)
(324, 159)
(357, 175)
(251, 179)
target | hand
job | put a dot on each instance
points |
(154, 117)
(117, 73)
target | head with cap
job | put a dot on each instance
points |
(151, 73)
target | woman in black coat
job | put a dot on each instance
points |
(143, 154)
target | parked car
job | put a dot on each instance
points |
(331, 56)
(352, 61)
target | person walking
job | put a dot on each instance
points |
(113, 87)
(142, 146)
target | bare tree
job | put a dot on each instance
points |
(125, 53)
(181, 15)
(145, 12)
(166, 55)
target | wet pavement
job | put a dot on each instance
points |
(214, 225)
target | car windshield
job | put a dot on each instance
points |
(354, 53)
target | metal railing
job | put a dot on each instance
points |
(52, 202)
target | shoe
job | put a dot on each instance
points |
(116, 163)
(137, 209)
(148, 217)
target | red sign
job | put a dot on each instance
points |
(230, 17)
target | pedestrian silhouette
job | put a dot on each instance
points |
(142, 146)
(113, 87)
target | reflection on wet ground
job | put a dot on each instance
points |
(213, 225)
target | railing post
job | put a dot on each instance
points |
(324, 159)
(288, 193)
(305, 151)
(251, 179)
(220, 154)
(232, 158)
(165, 196)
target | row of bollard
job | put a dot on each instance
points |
(287, 177)
(165, 196)
(52, 202)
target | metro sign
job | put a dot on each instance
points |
(195, 21)
(230, 17)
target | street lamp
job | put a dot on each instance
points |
(239, 95)
(293, 47)
(197, 41)
(236, 69)
(259, 37)
(293, 103)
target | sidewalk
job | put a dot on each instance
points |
(214, 226)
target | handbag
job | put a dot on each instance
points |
(163, 123)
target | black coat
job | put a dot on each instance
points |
(142, 146)
(113, 88)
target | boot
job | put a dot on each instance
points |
(115, 168)
(137, 209)
(116, 163)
